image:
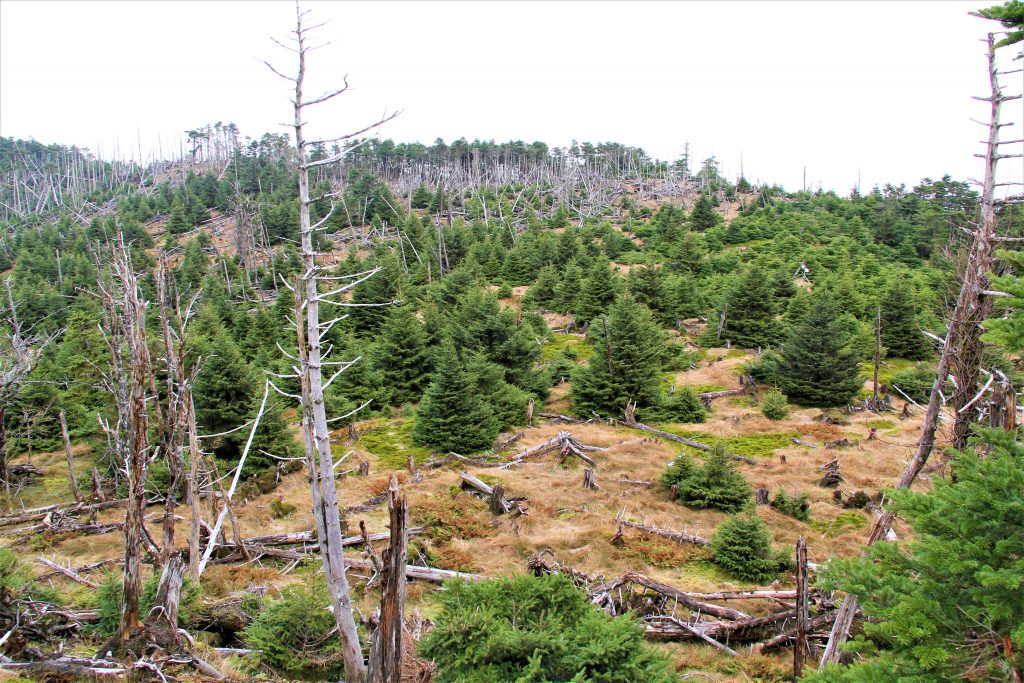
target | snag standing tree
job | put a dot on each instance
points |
(311, 360)
(961, 349)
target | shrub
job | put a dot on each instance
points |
(743, 547)
(294, 635)
(775, 405)
(279, 509)
(537, 629)
(716, 484)
(108, 598)
(798, 507)
(505, 291)
(765, 370)
(916, 382)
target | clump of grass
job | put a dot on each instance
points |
(457, 517)
(661, 552)
(834, 527)
(391, 443)
(880, 424)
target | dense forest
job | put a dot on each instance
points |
(218, 371)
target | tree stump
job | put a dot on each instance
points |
(762, 496)
(589, 480)
(364, 469)
(497, 504)
(673, 493)
(837, 496)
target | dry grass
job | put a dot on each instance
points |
(574, 523)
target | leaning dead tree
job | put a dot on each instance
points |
(961, 349)
(311, 359)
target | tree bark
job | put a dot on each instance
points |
(386, 649)
(71, 458)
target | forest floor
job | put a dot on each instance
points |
(574, 523)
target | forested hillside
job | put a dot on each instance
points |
(638, 417)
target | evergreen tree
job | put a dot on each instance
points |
(742, 547)
(543, 291)
(818, 369)
(775, 405)
(179, 220)
(946, 604)
(716, 484)
(400, 354)
(750, 319)
(598, 291)
(901, 334)
(632, 370)
(420, 198)
(568, 291)
(452, 416)
(703, 216)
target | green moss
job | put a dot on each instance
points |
(880, 424)
(834, 527)
(557, 343)
(391, 443)
(751, 446)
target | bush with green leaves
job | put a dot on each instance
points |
(716, 484)
(537, 630)
(295, 635)
(775, 405)
(683, 406)
(743, 547)
(108, 598)
(915, 381)
(798, 507)
(678, 471)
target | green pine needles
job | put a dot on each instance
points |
(528, 629)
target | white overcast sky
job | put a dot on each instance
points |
(842, 88)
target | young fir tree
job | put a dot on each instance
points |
(716, 484)
(818, 369)
(743, 547)
(543, 292)
(598, 291)
(401, 355)
(452, 415)
(568, 291)
(703, 216)
(945, 605)
(750, 316)
(626, 364)
(901, 334)
(179, 220)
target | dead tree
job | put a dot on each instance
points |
(802, 614)
(19, 352)
(961, 349)
(70, 456)
(311, 360)
(124, 330)
(386, 646)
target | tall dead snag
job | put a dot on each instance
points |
(70, 456)
(311, 360)
(961, 349)
(386, 645)
(802, 615)
(124, 330)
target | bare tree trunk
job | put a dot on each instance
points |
(802, 615)
(386, 646)
(71, 459)
(195, 458)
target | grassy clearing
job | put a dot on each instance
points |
(557, 343)
(391, 443)
(836, 526)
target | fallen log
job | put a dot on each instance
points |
(496, 495)
(636, 482)
(63, 509)
(671, 534)
(70, 573)
(77, 667)
(788, 635)
(539, 567)
(700, 634)
(747, 595)
(418, 572)
(711, 395)
(84, 568)
(671, 593)
(563, 419)
(680, 439)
